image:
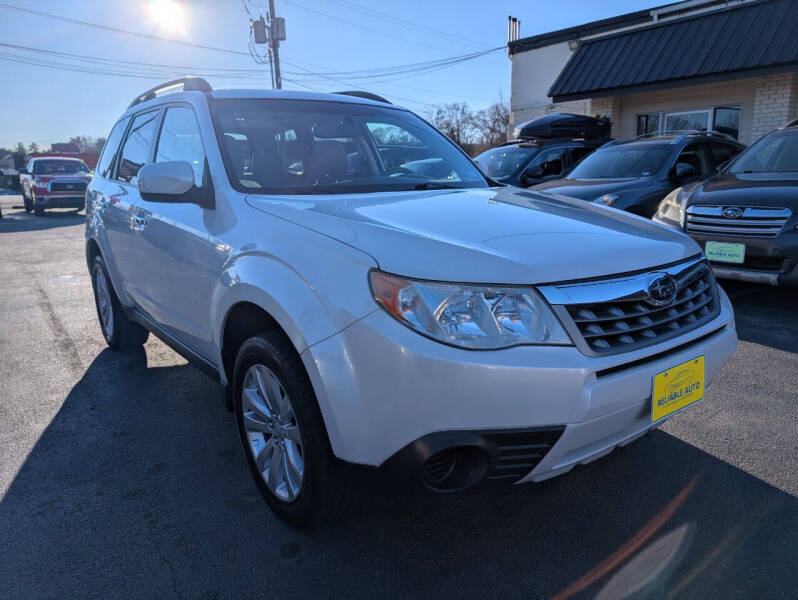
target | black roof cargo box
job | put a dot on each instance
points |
(563, 125)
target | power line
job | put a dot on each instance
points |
(376, 14)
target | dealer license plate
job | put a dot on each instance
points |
(677, 387)
(725, 252)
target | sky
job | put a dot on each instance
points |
(51, 104)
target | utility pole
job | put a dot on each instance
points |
(274, 42)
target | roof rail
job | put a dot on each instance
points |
(366, 95)
(189, 84)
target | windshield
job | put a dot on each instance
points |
(313, 147)
(634, 160)
(59, 167)
(776, 153)
(504, 160)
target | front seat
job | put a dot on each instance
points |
(328, 162)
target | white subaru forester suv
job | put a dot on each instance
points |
(375, 306)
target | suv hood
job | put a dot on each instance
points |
(590, 189)
(777, 190)
(486, 235)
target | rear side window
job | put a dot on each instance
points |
(181, 140)
(136, 149)
(693, 155)
(106, 162)
(579, 152)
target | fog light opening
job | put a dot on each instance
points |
(455, 469)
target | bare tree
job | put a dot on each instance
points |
(490, 124)
(453, 120)
(33, 147)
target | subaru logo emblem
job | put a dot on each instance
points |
(662, 290)
(732, 212)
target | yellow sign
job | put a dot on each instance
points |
(677, 387)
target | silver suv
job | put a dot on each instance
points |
(375, 306)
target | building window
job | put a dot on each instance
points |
(648, 123)
(724, 119)
(727, 120)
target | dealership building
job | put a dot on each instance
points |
(729, 66)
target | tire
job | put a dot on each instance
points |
(316, 495)
(119, 331)
(37, 210)
(27, 201)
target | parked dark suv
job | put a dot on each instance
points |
(746, 217)
(544, 148)
(636, 174)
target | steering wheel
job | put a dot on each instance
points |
(394, 171)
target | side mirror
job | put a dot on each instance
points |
(683, 171)
(173, 182)
(23, 171)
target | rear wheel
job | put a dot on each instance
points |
(118, 330)
(282, 432)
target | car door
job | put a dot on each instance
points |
(119, 199)
(178, 262)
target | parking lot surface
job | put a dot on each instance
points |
(121, 476)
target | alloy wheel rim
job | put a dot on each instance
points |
(104, 304)
(272, 433)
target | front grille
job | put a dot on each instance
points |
(518, 452)
(754, 221)
(68, 186)
(619, 315)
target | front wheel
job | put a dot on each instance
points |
(282, 432)
(27, 201)
(118, 330)
(37, 210)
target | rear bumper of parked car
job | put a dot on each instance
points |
(392, 400)
(767, 260)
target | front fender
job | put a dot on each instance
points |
(311, 302)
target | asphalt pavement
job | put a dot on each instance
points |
(121, 476)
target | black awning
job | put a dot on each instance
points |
(751, 38)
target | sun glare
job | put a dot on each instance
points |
(168, 14)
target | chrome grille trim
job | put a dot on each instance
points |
(59, 185)
(611, 316)
(756, 221)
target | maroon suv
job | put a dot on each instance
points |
(50, 182)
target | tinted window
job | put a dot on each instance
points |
(105, 164)
(722, 152)
(775, 153)
(578, 153)
(693, 155)
(550, 161)
(727, 120)
(136, 149)
(307, 147)
(181, 140)
(59, 167)
(505, 160)
(628, 160)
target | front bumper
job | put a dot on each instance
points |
(767, 260)
(383, 388)
(57, 201)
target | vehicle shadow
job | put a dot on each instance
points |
(765, 314)
(17, 220)
(137, 489)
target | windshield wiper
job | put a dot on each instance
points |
(435, 185)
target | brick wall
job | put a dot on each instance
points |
(775, 103)
(611, 107)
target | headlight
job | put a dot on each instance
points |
(42, 183)
(606, 199)
(672, 207)
(469, 316)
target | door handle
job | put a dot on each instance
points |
(138, 223)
